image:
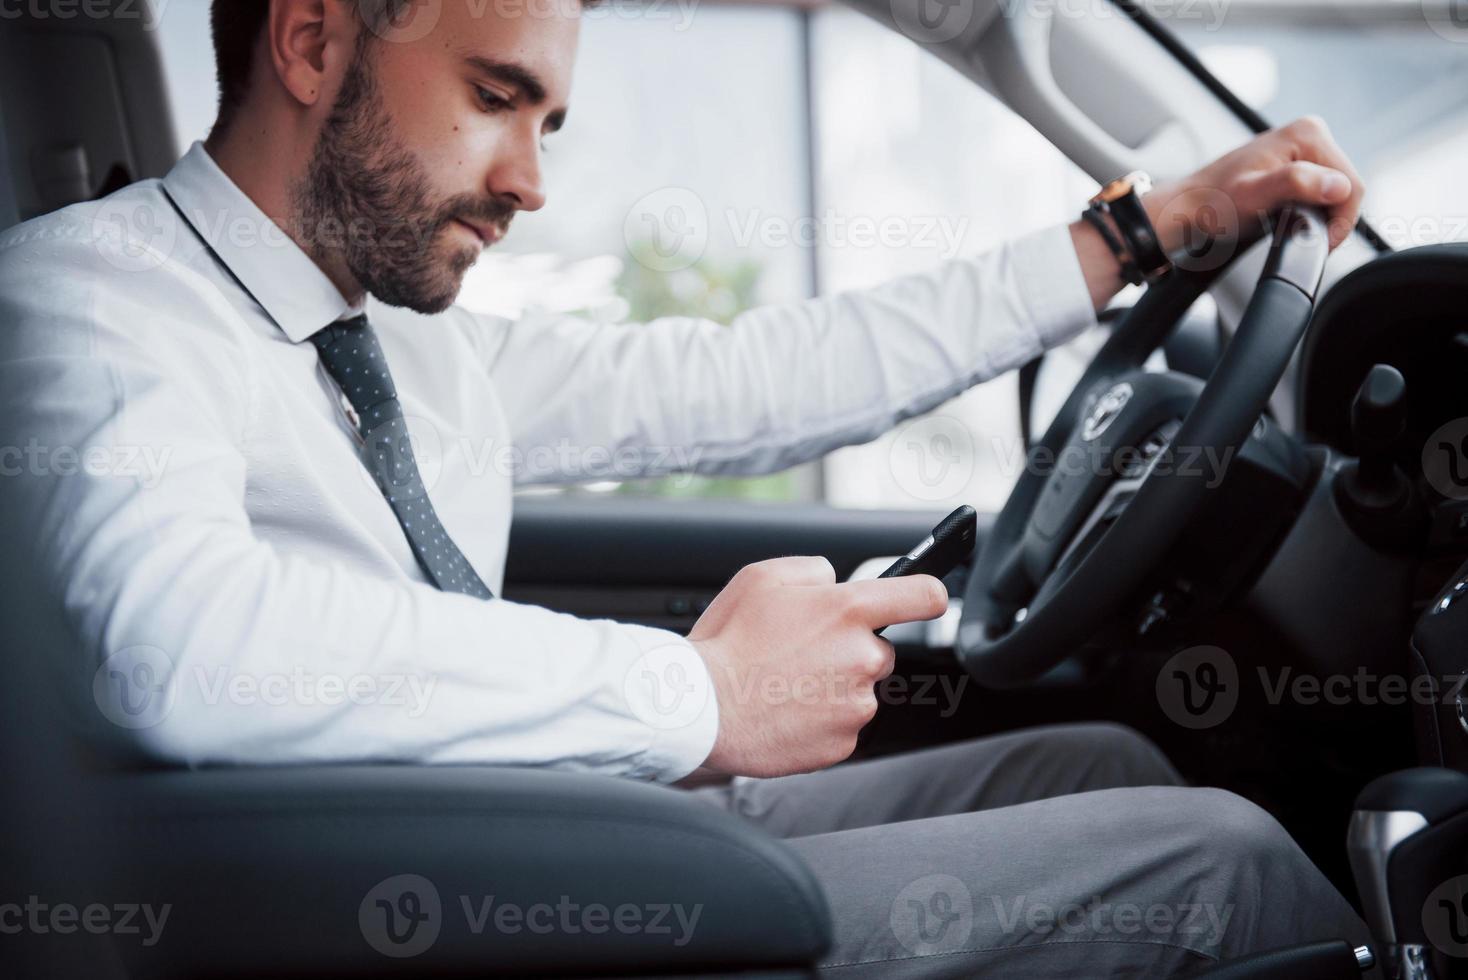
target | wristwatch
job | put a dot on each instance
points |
(1117, 213)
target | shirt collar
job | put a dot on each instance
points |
(271, 267)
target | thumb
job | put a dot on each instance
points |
(910, 599)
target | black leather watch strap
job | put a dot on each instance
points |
(1129, 270)
(1141, 238)
(1121, 202)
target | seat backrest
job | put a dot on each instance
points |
(83, 104)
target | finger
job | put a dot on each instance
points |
(910, 599)
(801, 570)
(886, 660)
(1303, 182)
(1314, 144)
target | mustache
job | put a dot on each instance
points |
(494, 211)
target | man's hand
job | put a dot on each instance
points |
(794, 661)
(1228, 202)
(1231, 197)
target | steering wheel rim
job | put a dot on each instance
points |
(1067, 594)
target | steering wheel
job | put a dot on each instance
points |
(1127, 464)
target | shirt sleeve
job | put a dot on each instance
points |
(782, 384)
(188, 639)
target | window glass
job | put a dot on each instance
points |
(672, 147)
(684, 183)
(1391, 79)
(904, 135)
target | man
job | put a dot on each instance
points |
(218, 552)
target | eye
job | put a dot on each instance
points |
(489, 101)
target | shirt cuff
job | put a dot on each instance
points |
(1050, 279)
(669, 689)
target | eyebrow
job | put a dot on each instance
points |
(520, 77)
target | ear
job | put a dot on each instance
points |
(310, 43)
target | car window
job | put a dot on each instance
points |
(670, 132)
(1391, 79)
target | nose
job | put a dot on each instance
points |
(516, 172)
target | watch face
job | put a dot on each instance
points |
(1115, 190)
(1137, 182)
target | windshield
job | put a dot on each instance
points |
(1389, 76)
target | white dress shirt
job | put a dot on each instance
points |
(184, 498)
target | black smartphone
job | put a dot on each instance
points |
(943, 550)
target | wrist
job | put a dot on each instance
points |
(1161, 205)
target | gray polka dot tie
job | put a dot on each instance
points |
(352, 356)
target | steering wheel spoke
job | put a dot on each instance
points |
(1097, 507)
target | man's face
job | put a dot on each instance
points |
(434, 143)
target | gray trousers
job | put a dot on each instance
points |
(1070, 851)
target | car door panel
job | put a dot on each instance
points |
(659, 562)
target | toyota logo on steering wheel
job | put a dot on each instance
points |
(1106, 411)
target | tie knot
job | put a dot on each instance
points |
(353, 357)
(340, 330)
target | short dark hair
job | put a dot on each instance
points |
(236, 26)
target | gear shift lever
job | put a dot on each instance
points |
(1373, 493)
(1378, 419)
(1408, 841)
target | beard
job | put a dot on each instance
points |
(367, 201)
